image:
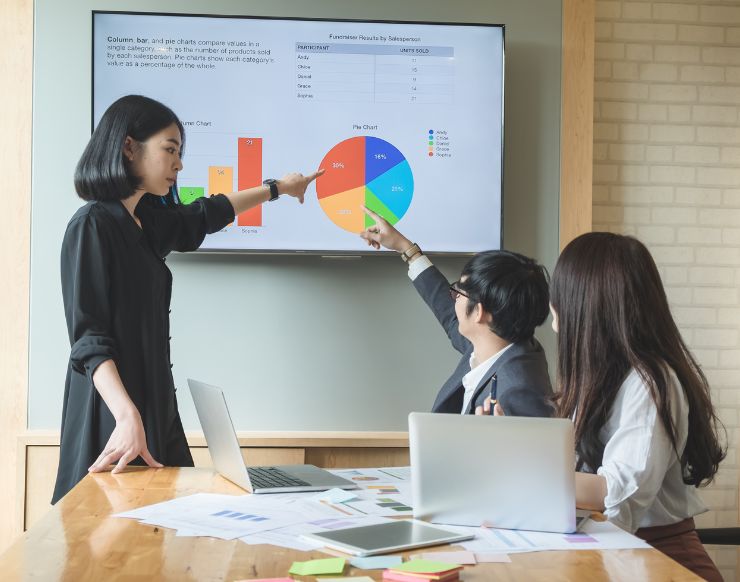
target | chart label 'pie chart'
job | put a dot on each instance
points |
(366, 171)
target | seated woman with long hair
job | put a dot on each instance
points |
(646, 430)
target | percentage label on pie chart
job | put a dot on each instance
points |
(365, 171)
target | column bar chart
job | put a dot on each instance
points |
(221, 179)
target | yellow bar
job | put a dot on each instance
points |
(220, 180)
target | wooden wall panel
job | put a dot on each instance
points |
(577, 119)
(255, 456)
(201, 457)
(41, 473)
(355, 458)
(16, 66)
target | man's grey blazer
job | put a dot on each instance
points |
(523, 382)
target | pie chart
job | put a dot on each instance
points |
(368, 171)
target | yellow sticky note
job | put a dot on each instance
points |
(425, 567)
(315, 567)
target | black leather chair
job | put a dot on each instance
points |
(720, 536)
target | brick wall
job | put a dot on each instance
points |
(667, 170)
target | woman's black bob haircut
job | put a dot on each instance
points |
(103, 172)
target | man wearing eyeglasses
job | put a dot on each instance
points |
(490, 315)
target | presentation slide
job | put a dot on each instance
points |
(405, 119)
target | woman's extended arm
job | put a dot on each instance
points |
(291, 184)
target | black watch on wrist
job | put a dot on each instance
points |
(273, 184)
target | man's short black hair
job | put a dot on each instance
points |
(512, 288)
(103, 172)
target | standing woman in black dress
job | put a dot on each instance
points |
(119, 397)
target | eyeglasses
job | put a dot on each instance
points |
(455, 291)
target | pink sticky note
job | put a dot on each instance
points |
(451, 557)
(266, 580)
(490, 557)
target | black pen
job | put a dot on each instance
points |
(492, 395)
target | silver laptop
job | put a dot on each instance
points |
(226, 454)
(506, 472)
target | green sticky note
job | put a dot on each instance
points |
(315, 567)
(425, 567)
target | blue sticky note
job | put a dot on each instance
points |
(376, 562)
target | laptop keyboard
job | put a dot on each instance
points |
(265, 477)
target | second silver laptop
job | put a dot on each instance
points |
(506, 472)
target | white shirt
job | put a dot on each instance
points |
(419, 265)
(477, 372)
(643, 474)
(473, 378)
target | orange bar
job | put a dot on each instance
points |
(249, 151)
(220, 180)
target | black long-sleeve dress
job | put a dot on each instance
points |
(116, 289)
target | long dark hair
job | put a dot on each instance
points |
(103, 172)
(613, 316)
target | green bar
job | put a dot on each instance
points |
(188, 194)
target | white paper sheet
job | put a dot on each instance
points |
(594, 536)
(369, 475)
(221, 516)
(385, 492)
(335, 496)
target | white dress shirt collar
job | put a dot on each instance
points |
(472, 379)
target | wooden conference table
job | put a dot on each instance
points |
(77, 540)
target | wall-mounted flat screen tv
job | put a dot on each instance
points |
(406, 118)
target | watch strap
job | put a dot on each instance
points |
(410, 253)
(272, 184)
